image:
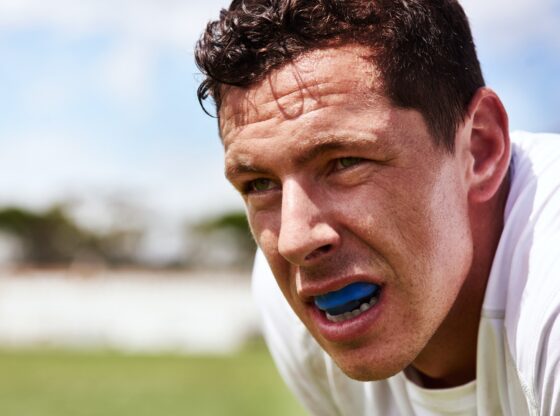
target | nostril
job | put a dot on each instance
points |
(319, 252)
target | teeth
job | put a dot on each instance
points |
(348, 315)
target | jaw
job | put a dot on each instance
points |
(368, 347)
(449, 357)
(370, 361)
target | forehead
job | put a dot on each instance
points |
(316, 80)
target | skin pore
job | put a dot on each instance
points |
(343, 187)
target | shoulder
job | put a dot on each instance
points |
(528, 267)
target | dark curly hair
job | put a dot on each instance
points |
(423, 49)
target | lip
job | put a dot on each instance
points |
(309, 291)
(351, 329)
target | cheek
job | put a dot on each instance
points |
(417, 224)
(393, 218)
(265, 227)
(453, 242)
(440, 242)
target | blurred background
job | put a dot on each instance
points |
(124, 254)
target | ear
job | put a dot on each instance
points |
(488, 145)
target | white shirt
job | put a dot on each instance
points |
(518, 351)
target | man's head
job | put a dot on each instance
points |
(378, 235)
(422, 49)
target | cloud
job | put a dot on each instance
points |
(40, 168)
(44, 163)
(172, 22)
(39, 165)
(139, 31)
(127, 72)
(179, 22)
(36, 165)
(508, 26)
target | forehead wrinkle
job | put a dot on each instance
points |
(303, 88)
(271, 132)
(306, 72)
(252, 109)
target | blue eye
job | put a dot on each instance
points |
(346, 162)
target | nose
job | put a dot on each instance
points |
(305, 232)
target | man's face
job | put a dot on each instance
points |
(341, 187)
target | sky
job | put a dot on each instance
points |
(98, 100)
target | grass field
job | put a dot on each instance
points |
(58, 383)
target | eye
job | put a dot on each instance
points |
(260, 185)
(346, 162)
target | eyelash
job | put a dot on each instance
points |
(249, 187)
(354, 161)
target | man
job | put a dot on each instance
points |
(413, 256)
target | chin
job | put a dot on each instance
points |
(366, 369)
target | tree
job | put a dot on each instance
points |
(53, 238)
(223, 241)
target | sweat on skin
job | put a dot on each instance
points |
(342, 187)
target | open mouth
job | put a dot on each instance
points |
(348, 302)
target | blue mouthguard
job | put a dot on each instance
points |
(347, 294)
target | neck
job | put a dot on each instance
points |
(449, 358)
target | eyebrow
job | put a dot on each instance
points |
(327, 144)
(242, 168)
(310, 149)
